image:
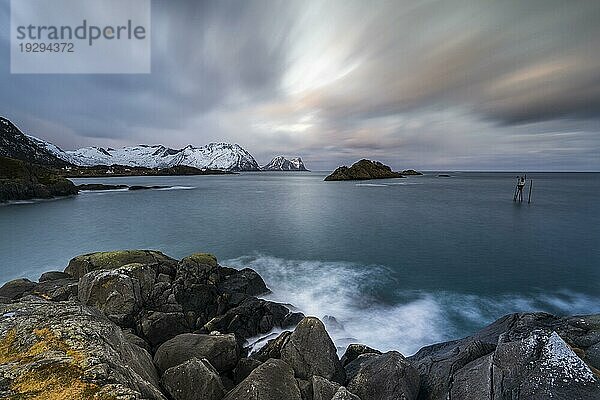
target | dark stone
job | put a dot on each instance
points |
(253, 317)
(310, 351)
(306, 390)
(323, 389)
(148, 187)
(57, 289)
(16, 288)
(243, 368)
(388, 376)
(193, 379)
(53, 276)
(273, 347)
(246, 281)
(220, 350)
(273, 380)
(355, 350)
(158, 327)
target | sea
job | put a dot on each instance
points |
(398, 263)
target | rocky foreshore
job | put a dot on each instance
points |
(138, 324)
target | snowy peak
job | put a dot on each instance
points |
(280, 163)
(224, 156)
(15, 144)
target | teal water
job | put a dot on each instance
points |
(400, 263)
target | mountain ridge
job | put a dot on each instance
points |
(215, 156)
(281, 163)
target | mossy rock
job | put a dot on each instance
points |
(363, 170)
(203, 258)
(83, 264)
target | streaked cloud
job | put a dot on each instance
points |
(427, 84)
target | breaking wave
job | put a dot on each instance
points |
(352, 294)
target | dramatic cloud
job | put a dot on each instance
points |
(429, 84)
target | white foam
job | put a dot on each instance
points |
(177, 188)
(350, 293)
(371, 184)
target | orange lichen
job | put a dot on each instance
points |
(52, 381)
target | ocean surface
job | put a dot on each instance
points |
(399, 263)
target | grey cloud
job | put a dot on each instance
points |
(461, 84)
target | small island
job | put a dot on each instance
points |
(366, 169)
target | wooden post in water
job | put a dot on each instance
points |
(530, 188)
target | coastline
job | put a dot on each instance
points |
(147, 300)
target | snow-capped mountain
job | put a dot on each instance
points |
(280, 163)
(15, 144)
(224, 156)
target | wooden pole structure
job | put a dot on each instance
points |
(530, 188)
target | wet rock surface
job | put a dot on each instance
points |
(137, 324)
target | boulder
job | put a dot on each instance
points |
(353, 367)
(53, 275)
(193, 379)
(388, 376)
(344, 394)
(114, 293)
(158, 327)
(306, 390)
(463, 364)
(355, 350)
(243, 368)
(253, 317)
(246, 281)
(273, 347)
(273, 380)
(539, 366)
(57, 289)
(323, 389)
(16, 288)
(310, 351)
(220, 350)
(63, 350)
(81, 265)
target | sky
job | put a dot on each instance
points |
(432, 85)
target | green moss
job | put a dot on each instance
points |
(116, 259)
(204, 258)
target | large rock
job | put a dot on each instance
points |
(53, 276)
(56, 289)
(354, 351)
(362, 170)
(387, 376)
(63, 350)
(273, 380)
(193, 379)
(117, 293)
(504, 348)
(253, 317)
(246, 281)
(323, 389)
(273, 347)
(81, 265)
(220, 350)
(158, 327)
(16, 288)
(243, 368)
(310, 351)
